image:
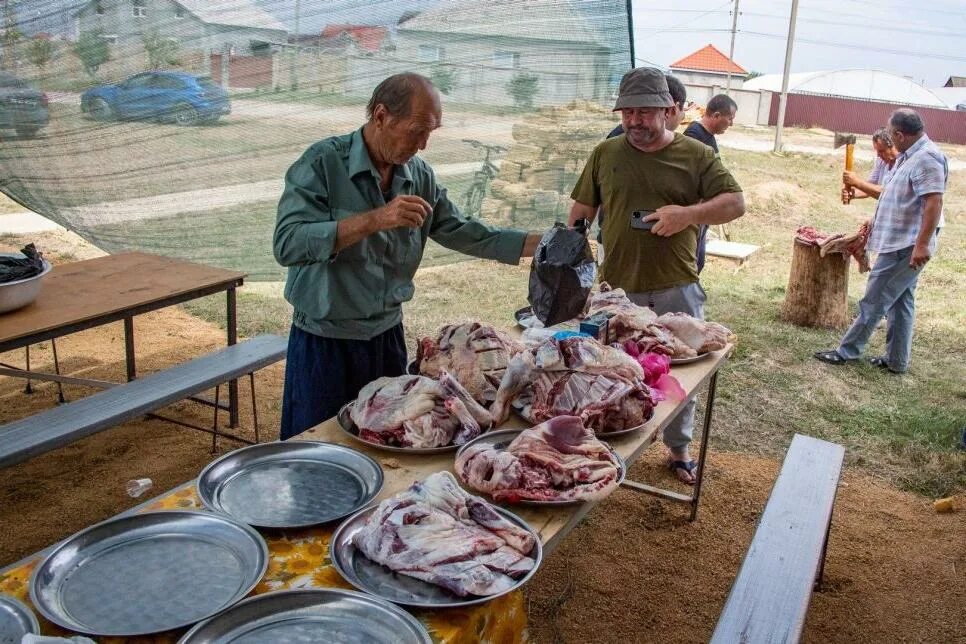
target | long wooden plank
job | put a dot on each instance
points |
(107, 286)
(23, 439)
(770, 596)
(401, 470)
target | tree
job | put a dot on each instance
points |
(40, 51)
(523, 87)
(162, 51)
(753, 74)
(92, 50)
(444, 78)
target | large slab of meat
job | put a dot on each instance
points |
(576, 376)
(475, 354)
(559, 460)
(437, 532)
(416, 411)
(677, 335)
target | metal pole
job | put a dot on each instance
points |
(788, 65)
(630, 31)
(731, 50)
(295, 48)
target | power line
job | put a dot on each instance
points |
(882, 50)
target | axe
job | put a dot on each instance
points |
(848, 140)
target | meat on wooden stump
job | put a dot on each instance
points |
(559, 460)
(437, 532)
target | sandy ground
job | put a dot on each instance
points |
(634, 571)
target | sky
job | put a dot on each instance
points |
(925, 41)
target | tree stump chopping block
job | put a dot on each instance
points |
(818, 288)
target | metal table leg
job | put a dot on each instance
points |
(705, 439)
(129, 348)
(232, 324)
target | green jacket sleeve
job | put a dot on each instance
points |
(450, 229)
(305, 231)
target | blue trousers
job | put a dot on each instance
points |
(890, 292)
(323, 374)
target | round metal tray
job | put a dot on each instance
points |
(518, 410)
(502, 439)
(350, 428)
(291, 484)
(374, 578)
(148, 573)
(317, 615)
(700, 356)
(16, 620)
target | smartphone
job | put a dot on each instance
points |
(637, 220)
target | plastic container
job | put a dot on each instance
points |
(20, 293)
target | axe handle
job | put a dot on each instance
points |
(849, 156)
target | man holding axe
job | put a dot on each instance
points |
(885, 162)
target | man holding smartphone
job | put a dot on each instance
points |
(684, 185)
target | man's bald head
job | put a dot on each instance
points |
(396, 93)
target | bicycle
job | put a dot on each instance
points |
(473, 199)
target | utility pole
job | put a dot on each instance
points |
(731, 51)
(788, 65)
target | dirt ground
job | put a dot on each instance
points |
(634, 571)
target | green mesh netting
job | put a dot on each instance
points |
(134, 159)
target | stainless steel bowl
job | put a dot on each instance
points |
(20, 293)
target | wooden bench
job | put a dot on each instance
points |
(62, 425)
(786, 559)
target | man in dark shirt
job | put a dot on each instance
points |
(719, 115)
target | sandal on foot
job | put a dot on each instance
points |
(831, 357)
(684, 470)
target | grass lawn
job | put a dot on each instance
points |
(904, 429)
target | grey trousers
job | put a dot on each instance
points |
(688, 299)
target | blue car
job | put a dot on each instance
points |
(176, 97)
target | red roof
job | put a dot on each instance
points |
(366, 36)
(709, 59)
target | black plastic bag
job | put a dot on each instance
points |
(20, 268)
(562, 274)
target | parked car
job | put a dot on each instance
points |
(177, 97)
(21, 108)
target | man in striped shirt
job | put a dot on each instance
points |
(904, 230)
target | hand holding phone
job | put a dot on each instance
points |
(637, 220)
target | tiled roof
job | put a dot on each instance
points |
(366, 36)
(709, 59)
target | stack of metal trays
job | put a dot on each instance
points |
(291, 484)
(16, 620)
(148, 573)
(326, 615)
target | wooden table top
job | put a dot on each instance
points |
(401, 470)
(83, 291)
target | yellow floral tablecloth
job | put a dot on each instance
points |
(300, 559)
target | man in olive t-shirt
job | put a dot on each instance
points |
(682, 184)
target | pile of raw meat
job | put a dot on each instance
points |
(416, 411)
(575, 376)
(677, 335)
(436, 532)
(559, 460)
(475, 354)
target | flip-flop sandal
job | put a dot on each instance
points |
(831, 357)
(680, 468)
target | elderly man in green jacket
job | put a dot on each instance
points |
(353, 220)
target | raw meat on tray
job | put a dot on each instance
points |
(559, 460)
(416, 411)
(475, 354)
(576, 376)
(437, 532)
